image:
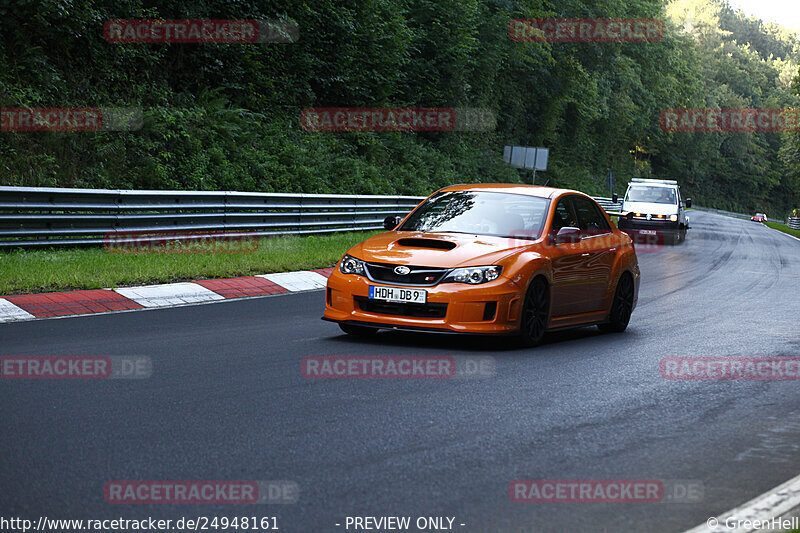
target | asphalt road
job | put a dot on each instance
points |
(227, 401)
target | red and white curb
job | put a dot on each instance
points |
(775, 510)
(53, 304)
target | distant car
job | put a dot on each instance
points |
(498, 259)
(759, 217)
(658, 210)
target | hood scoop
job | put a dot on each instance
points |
(436, 244)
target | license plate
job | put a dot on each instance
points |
(648, 232)
(396, 294)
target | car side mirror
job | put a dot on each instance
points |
(688, 202)
(391, 222)
(614, 198)
(568, 235)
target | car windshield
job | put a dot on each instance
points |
(480, 213)
(653, 195)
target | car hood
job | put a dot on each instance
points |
(443, 250)
(648, 208)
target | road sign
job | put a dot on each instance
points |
(526, 157)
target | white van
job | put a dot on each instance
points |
(658, 210)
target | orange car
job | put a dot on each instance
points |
(489, 259)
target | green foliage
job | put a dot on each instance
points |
(58, 269)
(227, 116)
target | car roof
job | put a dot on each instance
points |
(515, 188)
(645, 184)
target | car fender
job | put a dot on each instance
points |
(523, 267)
(624, 262)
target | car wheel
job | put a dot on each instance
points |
(682, 235)
(358, 331)
(534, 313)
(621, 307)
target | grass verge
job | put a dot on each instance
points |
(54, 269)
(784, 228)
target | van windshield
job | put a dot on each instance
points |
(654, 195)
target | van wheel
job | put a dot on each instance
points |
(621, 307)
(535, 313)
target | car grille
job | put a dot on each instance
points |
(638, 223)
(420, 276)
(400, 309)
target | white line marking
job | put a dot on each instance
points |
(10, 312)
(303, 280)
(772, 504)
(782, 233)
(138, 309)
(169, 294)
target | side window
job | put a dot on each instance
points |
(591, 219)
(564, 216)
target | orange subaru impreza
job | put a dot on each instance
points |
(499, 259)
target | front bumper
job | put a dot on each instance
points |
(492, 308)
(661, 227)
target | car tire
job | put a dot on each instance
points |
(358, 331)
(621, 308)
(535, 313)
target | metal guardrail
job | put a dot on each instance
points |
(36, 217)
(607, 204)
(792, 222)
(743, 216)
(33, 216)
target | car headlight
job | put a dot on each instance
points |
(351, 265)
(473, 275)
(673, 218)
